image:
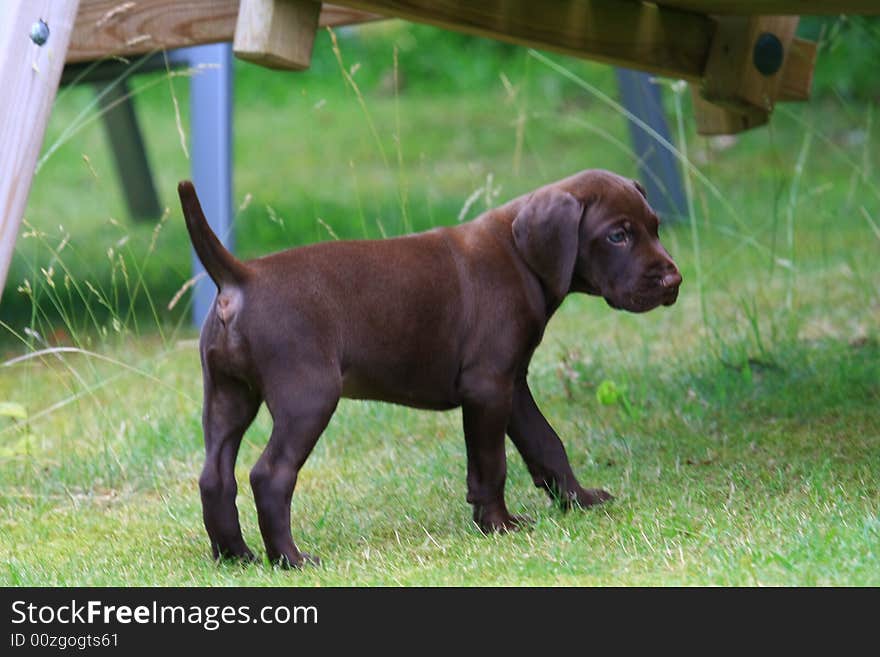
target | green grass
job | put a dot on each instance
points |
(751, 451)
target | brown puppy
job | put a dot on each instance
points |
(437, 320)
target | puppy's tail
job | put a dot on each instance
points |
(223, 267)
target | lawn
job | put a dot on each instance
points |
(748, 449)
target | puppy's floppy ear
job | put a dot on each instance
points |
(546, 234)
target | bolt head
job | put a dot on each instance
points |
(768, 54)
(40, 32)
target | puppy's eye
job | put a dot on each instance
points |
(618, 236)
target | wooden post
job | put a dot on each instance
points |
(276, 33)
(129, 152)
(29, 75)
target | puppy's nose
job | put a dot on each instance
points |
(671, 279)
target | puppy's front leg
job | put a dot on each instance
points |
(544, 453)
(484, 423)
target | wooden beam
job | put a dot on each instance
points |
(113, 27)
(630, 34)
(736, 75)
(754, 61)
(636, 35)
(633, 34)
(776, 7)
(716, 120)
(276, 33)
(29, 75)
(337, 16)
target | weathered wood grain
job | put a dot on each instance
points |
(29, 76)
(113, 27)
(776, 7)
(276, 33)
(716, 120)
(797, 74)
(731, 78)
(637, 35)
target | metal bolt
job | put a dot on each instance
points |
(768, 54)
(40, 32)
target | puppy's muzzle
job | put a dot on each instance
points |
(670, 283)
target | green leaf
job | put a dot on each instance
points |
(608, 393)
(13, 409)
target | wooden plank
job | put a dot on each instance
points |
(276, 33)
(797, 77)
(113, 27)
(336, 15)
(632, 34)
(715, 120)
(776, 7)
(618, 32)
(637, 35)
(29, 75)
(732, 77)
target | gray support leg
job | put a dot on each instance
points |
(127, 144)
(658, 168)
(211, 127)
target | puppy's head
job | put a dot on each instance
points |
(596, 233)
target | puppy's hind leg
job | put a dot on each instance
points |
(230, 407)
(301, 402)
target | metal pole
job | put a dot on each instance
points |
(658, 168)
(211, 127)
(130, 154)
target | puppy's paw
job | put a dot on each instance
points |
(587, 497)
(501, 523)
(241, 554)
